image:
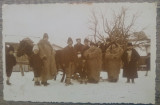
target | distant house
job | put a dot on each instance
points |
(56, 47)
(142, 44)
(143, 51)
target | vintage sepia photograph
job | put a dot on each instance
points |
(79, 52)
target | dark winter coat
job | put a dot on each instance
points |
(94, 62)
(130, 68)
(69, 55)
(78, 47)
(10, 61)
(85, 48)
(59, 59)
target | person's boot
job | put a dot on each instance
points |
(85, 81)
(8, 83)
(45, 83)
(37, 83)
(128, 80)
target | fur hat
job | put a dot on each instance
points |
(45, 35)
(78, 39)
(69, 39)
(86, 40)
(35, 47)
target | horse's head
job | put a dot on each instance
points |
(25, 47)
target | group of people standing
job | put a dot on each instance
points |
(86, 61)
(89, 59)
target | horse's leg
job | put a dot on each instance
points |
(63, 75)
(21, 70)
(55, 77)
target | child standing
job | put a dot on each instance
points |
(36, 63)
(10, 62)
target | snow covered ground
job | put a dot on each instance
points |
(23, 89)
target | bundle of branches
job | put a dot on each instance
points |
(114, 51)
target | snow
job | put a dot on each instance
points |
(23, 89)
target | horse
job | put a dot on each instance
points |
(26, 46)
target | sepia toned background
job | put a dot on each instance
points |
(67, 1)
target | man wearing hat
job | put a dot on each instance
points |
(129, 59)
(69, 61)
(83, 73)
(47, 54)
(10, 62)
(78, 48)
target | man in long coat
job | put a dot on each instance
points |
(47, 54)
(78, 47)
(94, 62)
(130, 58)
(84, 62)
(69, 61)
(113, 61)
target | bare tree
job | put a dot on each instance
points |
(93, 25)
(118, 29)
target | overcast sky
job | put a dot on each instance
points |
(64, 20)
